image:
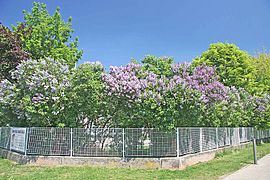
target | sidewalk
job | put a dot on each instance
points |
(253, 172)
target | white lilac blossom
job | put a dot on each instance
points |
(37, 90)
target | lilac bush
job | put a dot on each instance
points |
(123, 82)
(184, 97)
(260, 111)
(204, 80)
(36, 97)
(155, 93)
(164, 97)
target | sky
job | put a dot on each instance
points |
(114, 32)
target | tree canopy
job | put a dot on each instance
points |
(261, 64)
(11, 52)
(86, 100)
(232, 65)
(46, 36)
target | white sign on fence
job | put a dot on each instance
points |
(18, 136)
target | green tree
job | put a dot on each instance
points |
(232, 64)
(11, 52)
(86, 100)
(158, 65)
(48, 36)
(261, 63)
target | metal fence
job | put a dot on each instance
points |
(5, 137)
(118, 142)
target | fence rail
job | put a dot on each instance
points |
(118, 142)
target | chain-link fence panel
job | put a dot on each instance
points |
(223, 137)
(189, 140)
(49, 141)
(145, 142)
(245, 134)
(234, 136)
(130, 142)
(97, 142)
(262, 134)
(209, 138)
(5, 137)
(259, 134)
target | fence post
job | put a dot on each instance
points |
(239, 140)
(123, 144)
(71, 142)
(201, 149)
(217, 137)
(26, 141)
(254, 147)
(177, 142)
(229, 132)
(10, 136)
(254, 151)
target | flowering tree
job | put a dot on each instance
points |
(202, 90)
(143, 96)
(123, 88)
(37, 95)
(152, 100)
(260, 112)
(46, 93)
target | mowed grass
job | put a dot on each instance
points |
(224, 163)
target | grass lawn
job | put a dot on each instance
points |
(224, 163)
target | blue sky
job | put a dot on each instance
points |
(113, 32)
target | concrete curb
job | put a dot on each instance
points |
(142, 163)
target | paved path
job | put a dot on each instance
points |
(253, 172)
